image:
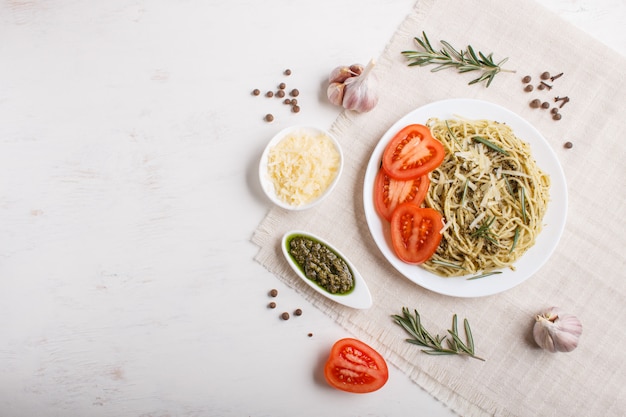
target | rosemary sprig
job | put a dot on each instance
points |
(421, 337)
(449, 57)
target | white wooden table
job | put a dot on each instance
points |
(129, 146)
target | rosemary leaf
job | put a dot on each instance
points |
(515, 239)
(523, 202)
(455, 330)
(508, 185)
(490, 144)
(468, 334)
(486, 274)
(446, 263)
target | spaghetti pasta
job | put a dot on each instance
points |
(492, 194)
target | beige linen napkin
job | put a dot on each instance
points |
(586, 275)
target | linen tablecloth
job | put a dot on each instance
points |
(585, 275)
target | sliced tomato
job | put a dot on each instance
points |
(388, 192)
(412, 152)
(415, 232)
(354, 366)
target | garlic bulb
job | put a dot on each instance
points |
(353, 87)
(556, 331)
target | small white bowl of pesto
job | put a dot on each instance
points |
(325, 269)
(300, 166)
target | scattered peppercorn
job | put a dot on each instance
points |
(535, 103)
(273, 292)
(298, 312)
(285, 316)
(282, 86)
(545, 105)
(541, 86)
(287, 101)
(272, 305)
(269, 94)
(294, 92)
(295, 109)
(568, 145)
(256, 92)
(280, 94)
(528, 88)
(527, 79)
(310, 335)
(269, 118)
(545, 75)
(287, 72)
(556, 116)
(294, 101)
(554, 110)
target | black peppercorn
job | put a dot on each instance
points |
(272, 305)
(535, 103)
(256, 92)
(295, 92)
(273, 292)
(298, 312)
(568, 145)
(526, 79)
(528, 88)
(269, 118)
(285, 316)
(287, 72)
(545, 75)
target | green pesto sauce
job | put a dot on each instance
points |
(321, 264)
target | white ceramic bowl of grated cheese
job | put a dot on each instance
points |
(300, 167)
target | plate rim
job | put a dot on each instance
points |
(556, 212)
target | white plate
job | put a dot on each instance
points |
(554, 220)
(360, 296)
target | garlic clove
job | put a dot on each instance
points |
(361, 93)
(557, 331)
(340, 74)
(356, 69)
(335, 93)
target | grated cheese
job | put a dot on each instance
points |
(302, 166)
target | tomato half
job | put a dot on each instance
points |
(355, 367)
(412, 152)
(388, 192)
(415, 232)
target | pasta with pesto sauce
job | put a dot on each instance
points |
(492, 194)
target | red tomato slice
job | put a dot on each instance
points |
(412, 152)
(388, 193)
(415, 232)
(355, 367)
